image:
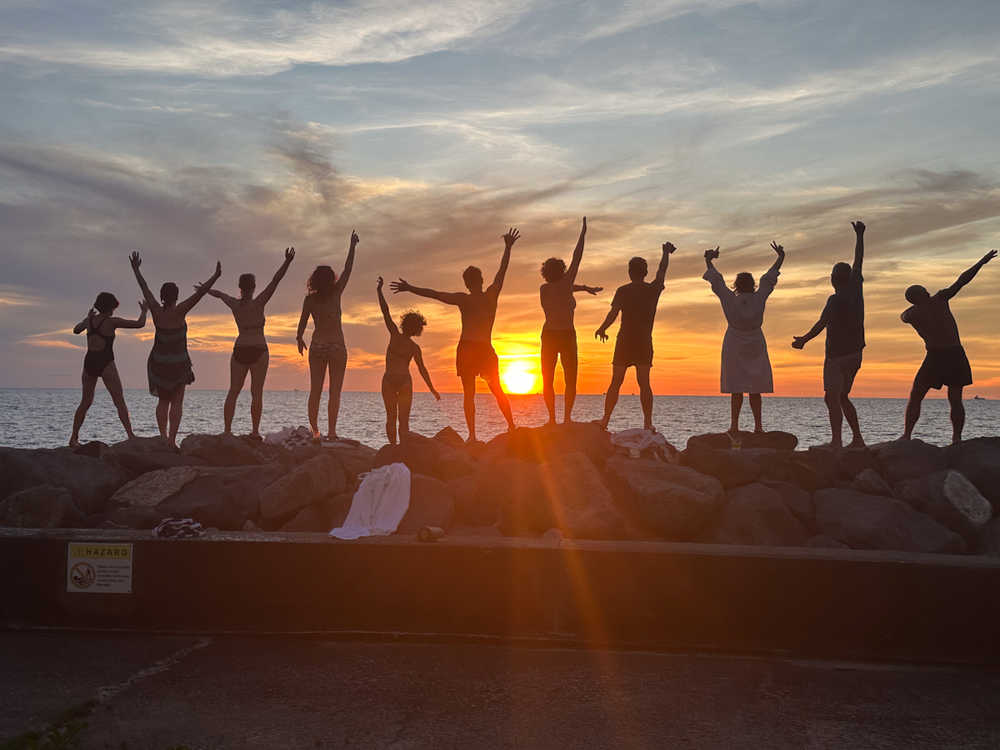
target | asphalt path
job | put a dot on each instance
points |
(170, 692)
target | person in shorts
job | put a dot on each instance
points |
(945, 364)
(843, 317)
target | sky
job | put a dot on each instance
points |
(195, 132)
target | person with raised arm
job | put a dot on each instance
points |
(169, 365)
(559, 332)
(99, 361)
(636, 301)
(843, 317)
(475, 355)
(250, 352)
(327, 350)
(397, 385)
(945, 363)
(746, 368)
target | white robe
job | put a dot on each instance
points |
(746, 367)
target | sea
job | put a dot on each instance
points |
(43, 417)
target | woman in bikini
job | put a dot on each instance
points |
(250, 350)
(397, 385)
(169, 366)
(327, 350)
(99, 362)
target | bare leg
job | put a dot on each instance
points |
(469, 404)
(735, 407)
(237, 376)
(162, 412)
(957, 412)
(645, 397)
(570, 369)
(549, 356)
(611, 397)
(338, 366)
(113, 382)
(851, 415)
(317, 374)
(836, 413)
(756, 407)
(917, 394)
(258, 373)
(389, 398)
(176, 412)
(405, 402)
(502, 401)
(89, 383)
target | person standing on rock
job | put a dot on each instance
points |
(475, 355)
(636, 301)
(746, 368)
(945, 363)
(327, 350)
(250, 350)
(559, 333)
(169, 366)
(397, 385)
(844, 321)
(99, 361)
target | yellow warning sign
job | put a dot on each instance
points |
(99, 568)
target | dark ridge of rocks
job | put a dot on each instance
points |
(558, 481)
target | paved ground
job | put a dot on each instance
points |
(160, 692)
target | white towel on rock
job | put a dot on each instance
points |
(379, 504)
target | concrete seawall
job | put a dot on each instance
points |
(816, 603)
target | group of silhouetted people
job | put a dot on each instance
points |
(745, 365)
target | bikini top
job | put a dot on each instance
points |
(93, 330)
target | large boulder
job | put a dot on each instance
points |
(795, 467)
(871, 482)
(450, 437)
(731, 467)
(989, 539)
(323, 515)
(139, 455)
(90, 481)
(979, 460)
(355, 457)
(472, 508)
(541, 444)
(431, 504)
(757, 514)
(949, 498)
(304, 485)
(875, 522)
(832, 466)
(796, 499)
(669, 501)
(900, 460)
(775, 440)
(428, 456)
(42, 507)
(229, 450)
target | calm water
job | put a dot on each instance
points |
(32, 418)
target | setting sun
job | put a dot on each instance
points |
(518, 376)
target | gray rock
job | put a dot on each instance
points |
(472, 508)
(989, 539)
(228, 450)
(757, 514)
(822, 541)
(949, 498)
(140, 455)
(450, 437)
(431, 504)
(670, 501)
(542, 444)
(796, 499)
(900, 460)
(428, 456)
(871, 482)
(355, 457)
(979, 460)
(322, 516)
(774, 440)
(90, 481)
(41, 507)
(152, 488)
(732, 468)
(794, 467)
(306, 484)
(874, 522)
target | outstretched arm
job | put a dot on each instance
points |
(386, 316)
(303, 319)
(200, 290)
(798, 342)
(859, 247)
(139, 322)
(508, 242)
(970, 273)
(602, 332)
(419, 357)
(587, 289)
(349, 263)
(661, 272)
(770, 278)
(449, 298)
(82, 325)
(136, 261)
(278, 276)
(574, 265)
(229, 300)
(712, 275)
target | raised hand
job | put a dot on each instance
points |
(778, 249)
(218, 268)
(668, 247)
(289, 254)
(712, 254)
(400, 286)
(584, 229)
(798, 342)
(601, 335)
(988, 257)
(511, 237)
(134, 259)
(143, 306)
(859, 226)
(354, 239)
(379, 284)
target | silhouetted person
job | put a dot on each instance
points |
(169, 366)
(99, 361)
(844, 321)
(327, 350)
(250, 352)
(746, 368)
(559, 333)
(475, 355)
(636, 301)
(945, 363)
(397, 385)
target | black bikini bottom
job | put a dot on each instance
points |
(95, 362)
(248, 355)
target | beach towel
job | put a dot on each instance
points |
(379, 504)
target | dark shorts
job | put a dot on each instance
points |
(95, 362)
(558, 342)
(476, 358)
(248, 355)
(396, 383)
(949, 366)
(839, 372)
(633, 352)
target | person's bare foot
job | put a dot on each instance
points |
(758, 430)
(857, 442)
(74, 442)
